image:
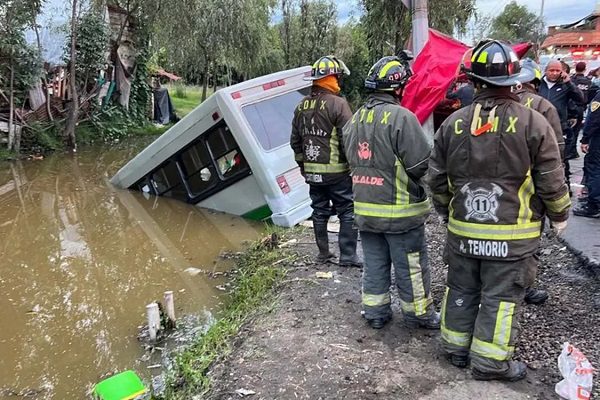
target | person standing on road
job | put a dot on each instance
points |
(527, 92)
(388, 152)
(315, 140)
(557, 87)
(584, 84)
(494, 171)
(590, 146)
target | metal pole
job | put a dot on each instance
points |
(420, 35)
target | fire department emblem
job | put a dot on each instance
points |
(311, 151)
(364, 153)
(481, 203)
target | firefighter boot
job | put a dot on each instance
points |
(431, 321)
(347, 240)
(322, 239)
(535, 296)
(517, 370)
(588, 209)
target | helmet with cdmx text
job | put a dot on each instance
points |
(534, 67)
(496, 64)
(389, 73)
(325, 66)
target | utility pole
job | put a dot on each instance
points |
(539, 33)
(420, 35)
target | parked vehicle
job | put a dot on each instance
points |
(231, 153)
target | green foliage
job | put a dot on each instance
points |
(91, 47)
(517, 24)
(352, 49)
(179, 91)
(41, 138)
(253, 292)
(183, 106)
(139, 97)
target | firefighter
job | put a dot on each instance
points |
(590, 146)
(527, 92)
(495, 170)
(315, 140)
(388, 154)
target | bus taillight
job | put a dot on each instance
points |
(283, 185)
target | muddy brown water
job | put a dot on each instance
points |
(80, 259)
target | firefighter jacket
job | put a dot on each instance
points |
(495, 171)
(532, 100)
(316, 129)
(584, 84)
(591, 130)
(388, 154)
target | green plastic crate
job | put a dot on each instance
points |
(123, 386)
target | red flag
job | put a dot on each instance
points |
(435, 68)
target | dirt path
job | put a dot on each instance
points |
(313, 343)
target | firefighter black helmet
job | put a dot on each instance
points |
(388, 74)
(497, 64)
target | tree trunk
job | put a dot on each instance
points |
(44, 79)
(11, 109)
(215, 79)
(205, 82)
(74, 109)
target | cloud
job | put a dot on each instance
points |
(556, 12)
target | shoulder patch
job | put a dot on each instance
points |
(595, 105)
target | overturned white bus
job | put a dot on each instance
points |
(231, 153)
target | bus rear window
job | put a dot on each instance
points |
(271, 119)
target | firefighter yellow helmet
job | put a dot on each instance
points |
(325, 66)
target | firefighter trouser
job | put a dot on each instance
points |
(593, 172)
(339, 194)
(408, 253)
(479, 311)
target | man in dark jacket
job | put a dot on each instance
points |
(388, 152)
(316, 129)
(557, 87)
(584, 84)
(495, 172)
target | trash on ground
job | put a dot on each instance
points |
(577, 373)
(245, 392)
(324, 275)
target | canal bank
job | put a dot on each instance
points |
(309, 341)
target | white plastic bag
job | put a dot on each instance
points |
(577, 373)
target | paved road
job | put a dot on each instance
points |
(582, 234)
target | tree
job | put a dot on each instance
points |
(517, 24)
(20, 66)
(388, 23)
(74, 105)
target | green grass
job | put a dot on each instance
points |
(184, 105)
(254, 290)
(5, 154)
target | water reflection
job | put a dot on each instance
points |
(81, 259)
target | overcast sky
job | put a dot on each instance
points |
(556, 12)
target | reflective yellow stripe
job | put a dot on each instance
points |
(387, 67)
(334, 145)
(460, 339)
(299, 157)
(325, 168)
(525, 192)
(134, 395)
(416, 280)
(491, 350)
(401, 184)
(482, 57)
(559, 205)
(503, 326)
(374, 300)
(495, 232)
(415, 305)
(391, 210)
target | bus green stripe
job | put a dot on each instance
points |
(259, 214)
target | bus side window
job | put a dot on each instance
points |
(166, 181)
(199, 169)
(226, 153)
